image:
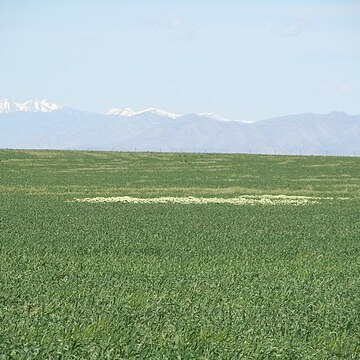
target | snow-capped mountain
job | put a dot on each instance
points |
(36, 124)
(214, 116)
(7, 106)
(121, 112)
(130, 112)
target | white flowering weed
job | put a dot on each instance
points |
(240, 200)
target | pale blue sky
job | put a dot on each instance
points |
(242, 59)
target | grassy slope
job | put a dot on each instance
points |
(168, 281)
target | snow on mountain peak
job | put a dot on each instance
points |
(121, 112)
(159, 112)
(129, 112)
(7, 106)
(39, 106)
(212, 115)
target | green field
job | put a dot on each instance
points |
(176, 281)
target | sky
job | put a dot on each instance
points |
(245, 60)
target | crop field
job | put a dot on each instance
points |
(108, 255)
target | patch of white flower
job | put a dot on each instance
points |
(240, 200)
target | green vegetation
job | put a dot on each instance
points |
(174, 281)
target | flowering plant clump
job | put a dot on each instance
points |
(240, 200)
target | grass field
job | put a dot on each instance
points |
(81, 280)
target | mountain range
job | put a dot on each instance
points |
(41, 124)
